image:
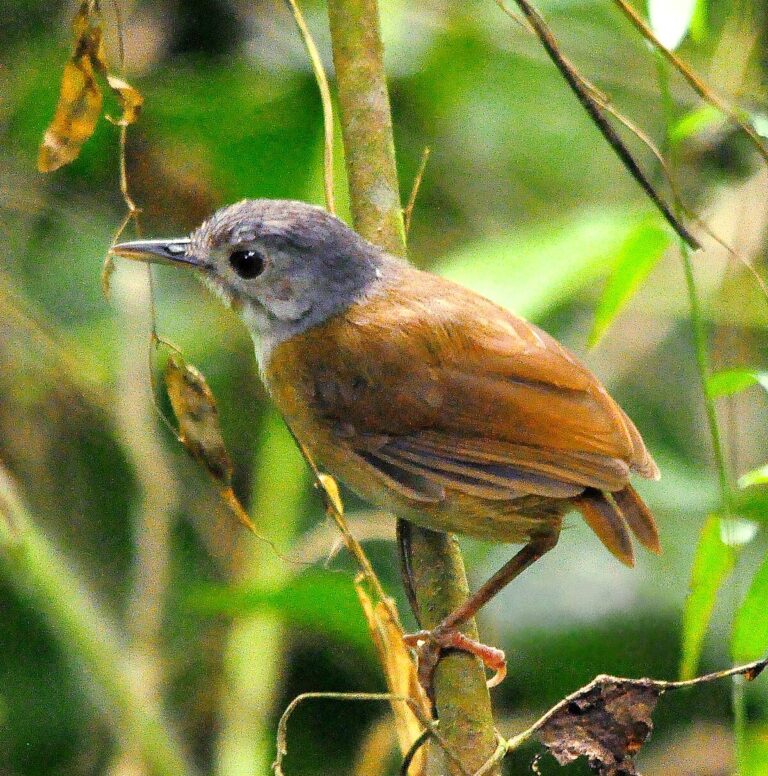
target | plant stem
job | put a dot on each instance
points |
(704, 369)
(252, 681)
(37, 569)
(440, 583)
(366, 122)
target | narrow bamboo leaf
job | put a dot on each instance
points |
(671, 20)
(712, 565)
(318, 601)
(641, 250)
(567, 255)
(757, 476)
(749, 639)
(731, 381)
(699, 22)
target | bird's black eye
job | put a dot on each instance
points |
(247, 264)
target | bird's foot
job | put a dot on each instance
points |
(431, 644)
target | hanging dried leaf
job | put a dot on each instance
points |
(609, 720)
(130, 101)
(331, 489)
(80, 97)
(194, 406)
(399, 672)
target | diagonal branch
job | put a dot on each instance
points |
(593, 108)
(693, 80)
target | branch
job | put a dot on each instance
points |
(693, 80)
(462, 699)
(607, 721)
(366, 122)
(583, 92)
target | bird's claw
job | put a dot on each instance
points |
(431, 644)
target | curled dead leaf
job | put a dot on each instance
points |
(194, 406)
(130, 98)
(609, 720)
(80, 97)
(75, 118)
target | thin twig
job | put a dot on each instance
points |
(325, 98)
(408, 210)
(594, 110)
(669, 176)
(411, 753)
(693, 80)
(750, 671)
(429, 725)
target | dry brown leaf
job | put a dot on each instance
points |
(609, 720)
(80, 100)
(399, 672)
(194, 406)
(80, 97)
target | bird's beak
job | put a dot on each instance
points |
(157, 251)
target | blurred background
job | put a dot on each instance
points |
(521, 200)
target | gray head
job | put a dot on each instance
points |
(283, 265)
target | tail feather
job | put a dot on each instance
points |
(604, 517)
(638, 518)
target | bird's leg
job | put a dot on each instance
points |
(404, 529)
(430, 644)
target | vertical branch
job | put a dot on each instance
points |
(440, 583)
(366, 122)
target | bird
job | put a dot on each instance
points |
(424, 398)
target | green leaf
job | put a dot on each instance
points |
(712, 565)
(749, 639)
(642, 249)
(533, 271)
(757, 476)
(700, 22)
(731, 381)
(756, 754)
(694, 122)
(319, 601)
(752, 503)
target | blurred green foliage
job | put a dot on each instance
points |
(521, 200)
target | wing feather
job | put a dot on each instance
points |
(458, 393)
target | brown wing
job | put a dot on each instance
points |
(458, 393)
